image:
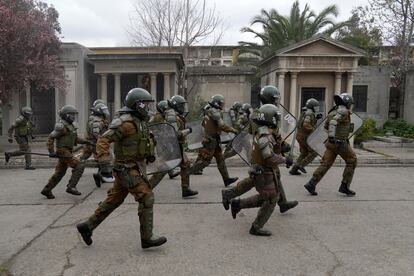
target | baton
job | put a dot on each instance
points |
(45, 154)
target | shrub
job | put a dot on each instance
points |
(367, 131)
(400, 128)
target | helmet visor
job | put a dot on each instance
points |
(71, 117)
(182, 108)
(316, 109)
(105, 112)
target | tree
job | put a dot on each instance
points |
(279, 31)
(173, 23)
(396, 19)
(363, 33)
(29, 47)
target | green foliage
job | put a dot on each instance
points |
(280, 31)
(400, 128)
(196, 106)
(367, 131)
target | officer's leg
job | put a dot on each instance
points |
(327, 160)
(77, 171)
(309, 158)
(242, 187)
(25, 147)
(203, 160)
(87, 151)
(60, 171)
(221, 165)
(185, 178)
(284, 204)
(298, 164)
(265, 211)
(115, 197)
(156, 178)
(350, 159)
(229, 151)
(144, 195)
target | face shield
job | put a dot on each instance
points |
(105, 112)
(71, 117)
(221, 104)
(276, 100)
(145, 109)
(317, 109)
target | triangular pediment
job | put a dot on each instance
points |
(320, 46)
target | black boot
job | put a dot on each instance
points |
(235, 207)
(174, 173)
(186, 192)
(29, 168)
(285, 206)
(199, 172)
(85, 232)
(230, 180)
(310, 186)
(345, 190)
(259, 231)
(47, 193)
(153, 242)
(73, 191)
(7, 157)
(97, 178)
(226, 196)
(294, 170)
(302, 169)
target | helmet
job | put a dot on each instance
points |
(138, 101)
(312, 104)
(26, 112)
(162, 106)
(217, 101)
(236, 106)
(68, 113)
(179, 104)
(269, 95)
(344, 99)
(268, 115)
(98, 101)
(101, 109)
(246, 108)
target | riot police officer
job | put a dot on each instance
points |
(213, 125)
(66, 137)
(339, 127)
(23, 134)
(134, 146)
(306, 125)
(174, 114)
(263, 171)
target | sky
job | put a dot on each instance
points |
(103, 23)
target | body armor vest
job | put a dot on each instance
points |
(210, 127)
(343, 127)
(25, 129)
(301, 130)
(68, 139)
(136, 146)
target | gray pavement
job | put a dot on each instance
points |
(370, 234)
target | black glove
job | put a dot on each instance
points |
(285, 148)
(190, 129)
(332, 140)
(105, 169)
(319, 116)
(10, 140)
(150, 159)
(53, 155)
(289, 162)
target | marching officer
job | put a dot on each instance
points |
(339, 126)
(134, 146)
(66, 137)
(23, 129)
(306, 125)
(213, 125)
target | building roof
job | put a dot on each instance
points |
(221, 70)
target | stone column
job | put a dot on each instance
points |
(154, 84)
(167, 89)
(28, 98)
(293, 92)
(272, 78)
(338, 78)
(104, 88)
(117, 92)
(350, 83)
(281, 87)
(57, 102)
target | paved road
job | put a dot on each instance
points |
(371, 234)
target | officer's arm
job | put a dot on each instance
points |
(58, 131)
(97, 127)
(16, 124)
(216, 116)
(116, 131)
(266, 149)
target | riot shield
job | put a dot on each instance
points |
(242, 144)
(318, 137)
(287, 124)
(167, 150)
(227, 137)
(195, 138)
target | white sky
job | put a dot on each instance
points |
(95, 23)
